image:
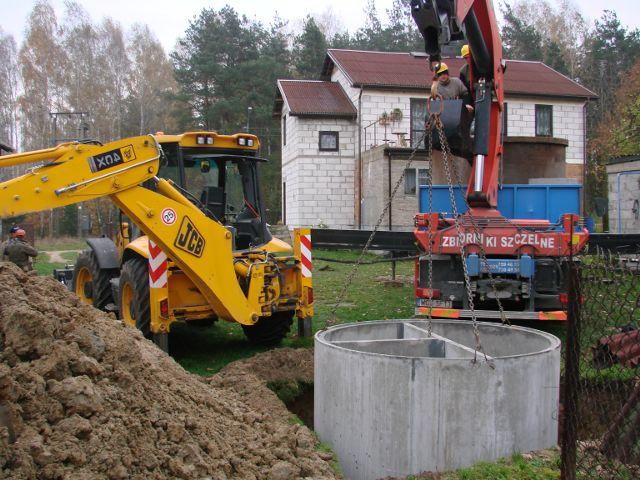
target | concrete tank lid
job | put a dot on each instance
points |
(545, 341)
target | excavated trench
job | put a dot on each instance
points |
(297, 397)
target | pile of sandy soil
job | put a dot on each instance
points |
(83, 396)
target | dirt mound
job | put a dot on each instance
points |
(83, 396)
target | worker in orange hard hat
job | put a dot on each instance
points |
(18, 251)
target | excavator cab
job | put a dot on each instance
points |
(223, 185)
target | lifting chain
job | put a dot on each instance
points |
(435, 121)
(429, 128)
(483, 253)
(352, 274)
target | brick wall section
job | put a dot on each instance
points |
(626, 178)
(568, 122)
(319, 185)
(375, 185)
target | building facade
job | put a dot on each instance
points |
(370, 106)
(623, 176)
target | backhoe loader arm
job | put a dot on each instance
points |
(75, 172)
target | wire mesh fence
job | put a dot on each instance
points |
(601, 395)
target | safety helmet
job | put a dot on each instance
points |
(20, 233)
(443, 68)
(464, 51)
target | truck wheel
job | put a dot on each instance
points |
(90, 282)
(269, 331)
(134, 295)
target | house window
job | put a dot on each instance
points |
(329, 141)
(423, 177)
(409, 181)
(505, 119)
(544, 121)
(418, 117)
(284, 130)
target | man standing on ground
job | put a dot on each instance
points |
(18, 251)
(12, 236)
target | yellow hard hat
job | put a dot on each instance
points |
(443, 68)
(464, 51)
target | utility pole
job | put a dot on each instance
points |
(249, 110)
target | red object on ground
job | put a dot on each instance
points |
(622, 348)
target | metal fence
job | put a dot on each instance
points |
(601, 385)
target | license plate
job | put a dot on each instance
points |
(425, 302)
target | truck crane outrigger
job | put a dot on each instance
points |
(205, 252)
(518, 262)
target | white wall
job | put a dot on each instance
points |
(319, 185)
(568, 122)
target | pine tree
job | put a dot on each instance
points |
(309, 50)
(521, 40)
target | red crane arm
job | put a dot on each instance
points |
(440, 22)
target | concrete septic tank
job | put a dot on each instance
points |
(393, 401)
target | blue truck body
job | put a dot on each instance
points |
(544, 201)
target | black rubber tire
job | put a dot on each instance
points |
(135, 272)
(101, 293)
(269, 331)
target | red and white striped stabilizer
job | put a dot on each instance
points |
(305, 255)
(157, 266)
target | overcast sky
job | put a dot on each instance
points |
(169, 18)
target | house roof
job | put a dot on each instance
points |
(624, 159)
(314, 98)
(409, 71)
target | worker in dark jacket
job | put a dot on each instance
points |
(464, 71)
(12, 235)
(18, 251)
(465, 78)
(451, 88)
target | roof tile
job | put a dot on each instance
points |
(314, 98)
(403, 70)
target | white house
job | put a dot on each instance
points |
(346, 136)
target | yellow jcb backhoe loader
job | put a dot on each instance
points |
(193, 244)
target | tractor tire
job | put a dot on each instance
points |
(269, 331)
(91, 283)
(135, 307)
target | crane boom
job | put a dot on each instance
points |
(440, 22)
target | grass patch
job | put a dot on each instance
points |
(543, 465)
(289, 390)
(205, 351)
(43, 266)
(335, 465)
(60, 243)
(70, 256)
